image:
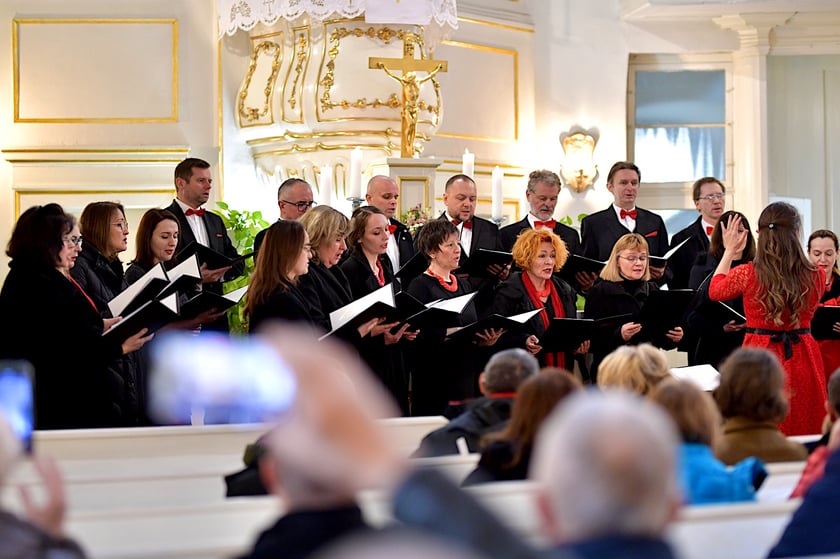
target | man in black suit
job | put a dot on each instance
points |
(542, 192)
(294, 198)
(383, 193)
(193, 182)
(600, 231)
(709, 196)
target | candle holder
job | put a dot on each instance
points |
(499, 220)
(355, 203)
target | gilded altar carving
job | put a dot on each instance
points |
(253, 114)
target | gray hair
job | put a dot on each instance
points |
(544, 176)
(607, 462)
(509, 368)
(289, 183)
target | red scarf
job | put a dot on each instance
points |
(557, 359)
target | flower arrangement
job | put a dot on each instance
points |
(416, 217)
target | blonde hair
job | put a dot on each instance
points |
(630, 241)
(324, 225)
(694, 412)
(527, 246)
(635, 368)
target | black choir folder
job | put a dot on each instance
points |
(481, 259)
(443, 313)
(822, 325)
(185, 278)
(495, 322)
(152, 315)
(415, 266)
(377, 304)
(662, 311)
(566, 334)
(577, 263)
(157, 283)
(661, 261)
(205, 300)
(206, 255)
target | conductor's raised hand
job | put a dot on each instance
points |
(733, 234)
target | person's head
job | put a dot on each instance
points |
(542, 192)
(694, 412)
(628, 259)
(822, 250)
(383, 193)
(45, 236)
(784, 272)
(327, 229)
(709, 196)
(157, 237)
(752, 384)
(539, 253)
(506, 370)
(283, 257)
(294, 198)
(104, 227)
(459, 197)
(637, 369)
(439, 241)
(10, 449)
(623, 182)
(193, 181)
(607, 466)
(535, 399)
(369, 232)
(716, 242)
(832, 402)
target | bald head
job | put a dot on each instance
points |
(382, 193)
(607, 462)
(460, 197)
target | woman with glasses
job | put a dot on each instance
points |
(623, 288)
(781, 290)
(822, 250)
(58, 328)
(100, 273)
(719, 332)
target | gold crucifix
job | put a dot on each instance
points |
(409, 66)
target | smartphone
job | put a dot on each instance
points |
(226, 379)
(17, 401)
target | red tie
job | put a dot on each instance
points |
(550, 224)
(199, 212)
(392, 229)
(709, 230)
(624, 213)
(467, 224)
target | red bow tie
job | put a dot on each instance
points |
(709, 229)
(631, 214)
(392, 229)
(199, 212)
(467, 224)
(550, 224)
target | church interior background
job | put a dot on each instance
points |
(99, 100)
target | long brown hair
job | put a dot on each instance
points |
(784, 272)
(716, 242)
(95, 225)
(535, 399)
(145, 231)
(277, 256)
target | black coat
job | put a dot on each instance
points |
(49, 322)
(600, 231)
(682, 261)
(102, 281)
(286, 303)
(494, 464)
(326, 290)
(512, 299)
(482, 416)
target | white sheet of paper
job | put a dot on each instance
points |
(121, 301)
(706, 377)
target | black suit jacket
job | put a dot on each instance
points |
(682, 260)
(485, 234)
(405, 244)
(600, 231)
(509, 234)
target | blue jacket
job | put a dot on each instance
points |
(705, 479)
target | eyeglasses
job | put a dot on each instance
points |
(121, 225)
(634, 259)
(301, 206)
(73, 241)
(712, 197)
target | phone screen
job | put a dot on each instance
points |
(16, 399)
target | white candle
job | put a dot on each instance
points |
(498, 178)
(355, 174)
(468, 163)
(326, 185)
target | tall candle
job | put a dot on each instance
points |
(498, 178)
(355, 174)
(326, 185)
(468, 163)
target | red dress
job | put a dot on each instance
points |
(831, 348)
(804, 379)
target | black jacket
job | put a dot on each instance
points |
(482, 416)
(682, 261)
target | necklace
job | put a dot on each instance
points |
(450, 285)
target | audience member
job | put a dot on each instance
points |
(815, 466)
(637, 369)
(506, 455)
(499, 381)
(752, 400)
(705, 479)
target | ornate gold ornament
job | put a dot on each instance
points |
(251, 114)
